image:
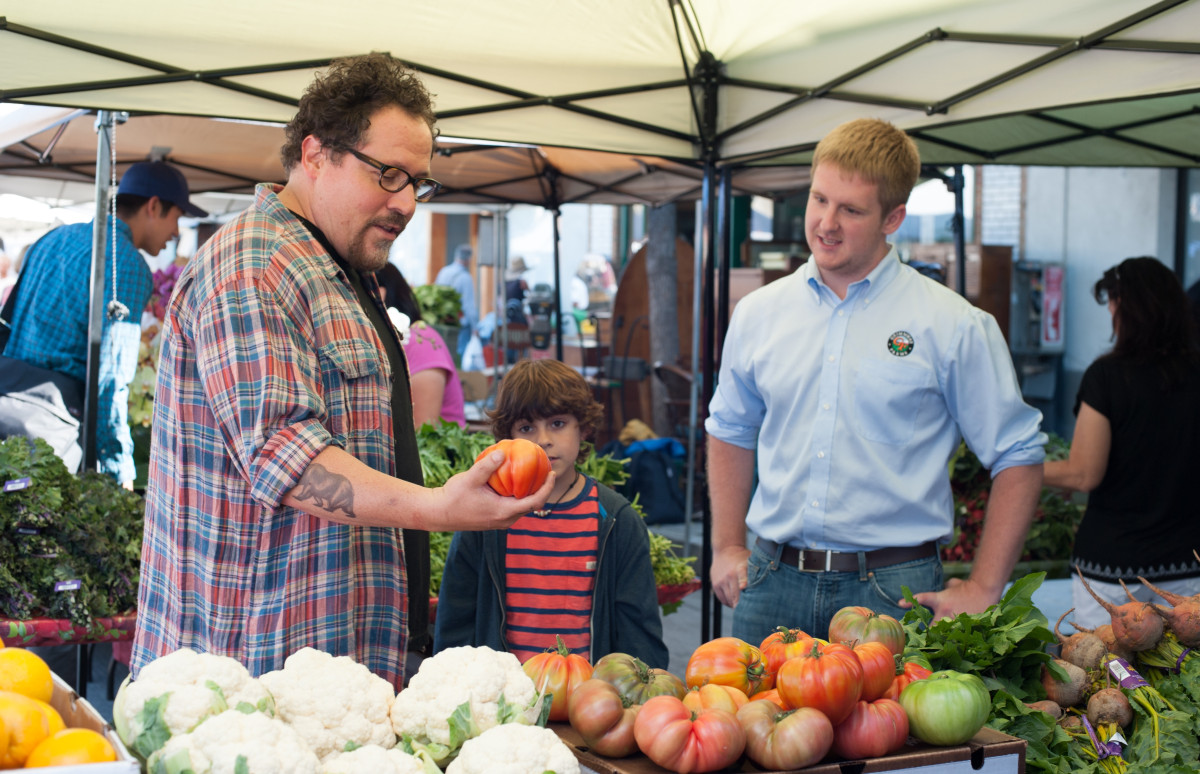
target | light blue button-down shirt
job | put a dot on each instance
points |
(856, 405)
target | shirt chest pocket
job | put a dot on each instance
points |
(352, 382)
(888, 399)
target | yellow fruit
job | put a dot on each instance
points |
(71, 746)
(27, 727)
(25, 673)
(53, 719)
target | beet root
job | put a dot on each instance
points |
(1069, 693)
(1109, 705)
(1083, 649)
(1049, 707)
(1183, 617)
(1136, 625)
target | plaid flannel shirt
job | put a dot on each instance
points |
(50, 326)
(267, 358)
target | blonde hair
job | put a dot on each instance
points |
(878, 152)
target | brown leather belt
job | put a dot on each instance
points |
(815, 560)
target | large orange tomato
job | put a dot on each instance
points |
(855, 624)
(913, 668)
(781, 645)
(728, 661)
(879, 668)
(558, 672)
(524, 469)
(604, 718)
(784, 740)
(680, 740)
(828, 678)
(872, 730)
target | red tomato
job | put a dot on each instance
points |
(784, 741)
(782, 645)
(713, 696)
(771, 696)
(524, 469)
(828, 678)
(911, 670)
(872, 730)
(879, 669)
(675, 738)
(853, 625)
(636, 681)
(603, 718)
(558, 672)
(728, 661)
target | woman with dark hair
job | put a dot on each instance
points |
(1136, 447)
(436, 390)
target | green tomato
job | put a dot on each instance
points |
(947, 708)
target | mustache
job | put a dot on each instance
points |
(397, 221)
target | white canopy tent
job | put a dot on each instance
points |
(720, 83)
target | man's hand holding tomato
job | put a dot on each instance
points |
(469, 493)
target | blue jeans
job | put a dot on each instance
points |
(780, 595)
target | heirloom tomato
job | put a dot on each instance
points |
(879, 668)
(783, 740)
(604, 718)
(713, 696)
(728, 661)
(680, 740)
(946, 708)
(781, 645)
(771, 696)
(524, 469)
(557, 672)
(827, 677)
(871, 730)
(856, 624)
(635, 680)
(912, 668)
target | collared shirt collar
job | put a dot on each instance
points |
(868, 287)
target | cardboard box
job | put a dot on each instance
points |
(989, 751)
(78, 713)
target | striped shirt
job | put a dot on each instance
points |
(50, 326)
(267, 358)
(550, 566)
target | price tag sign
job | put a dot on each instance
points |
(68, 585)
(17, 484)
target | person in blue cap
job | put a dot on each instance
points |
(49, 321)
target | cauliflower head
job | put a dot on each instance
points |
(332, 701)
(460, 693)
(236, 743)
(515, 749)
(176, 692)
(373, 759)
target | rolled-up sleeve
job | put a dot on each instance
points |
(984, 397)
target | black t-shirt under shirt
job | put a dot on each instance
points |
(1142, 519)
(408, 460)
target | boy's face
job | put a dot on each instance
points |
(559, 436)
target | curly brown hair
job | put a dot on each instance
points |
(540, 389)
(337, 106)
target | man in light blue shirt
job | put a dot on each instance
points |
(457, 274)
(850, 383)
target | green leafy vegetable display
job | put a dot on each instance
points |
(69, 546)
(440, 304)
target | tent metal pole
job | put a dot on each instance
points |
(106, 121)
(960, 233)
(558, 322)
(710, 613)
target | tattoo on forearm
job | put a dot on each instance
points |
(327, 490)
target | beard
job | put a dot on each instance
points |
(370, 252)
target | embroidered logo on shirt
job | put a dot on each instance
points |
(900, 343)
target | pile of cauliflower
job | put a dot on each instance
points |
(468, 709)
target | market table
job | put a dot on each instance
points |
(45, 632)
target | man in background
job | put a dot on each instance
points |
(52, 304)
(457, 274)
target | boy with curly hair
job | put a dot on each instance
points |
(579, 569)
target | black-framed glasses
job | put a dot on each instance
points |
(394, 179)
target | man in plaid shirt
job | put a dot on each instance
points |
(284, 463)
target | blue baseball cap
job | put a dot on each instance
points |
(158, 178)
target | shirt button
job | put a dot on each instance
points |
(832, 358)
(815, 503)
(841, 313)
(820, 455)
(826, 406)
